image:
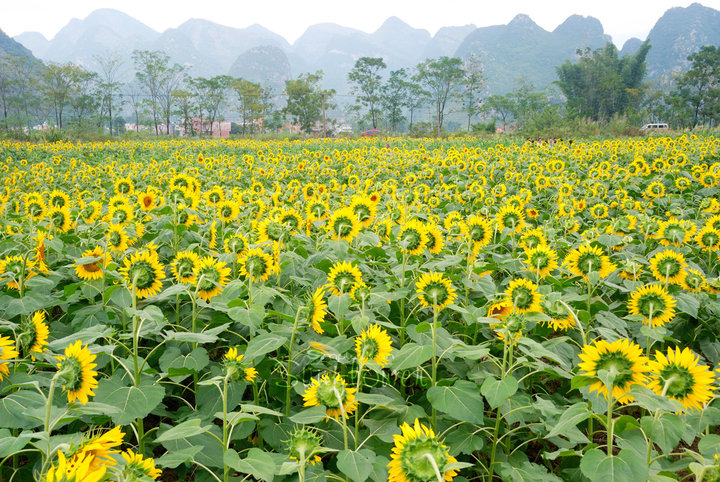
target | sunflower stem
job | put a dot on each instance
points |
(342, 416)
(256, 401)
(435, 467)
(288, 384)
(498, 417)
(48, 411)
(361, 365)
(226, 469)
(434, 358)
(402, 299)
(610, 422)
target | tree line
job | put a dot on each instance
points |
(598, 85)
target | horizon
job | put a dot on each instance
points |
(615, 26)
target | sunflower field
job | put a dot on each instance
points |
(378, 309)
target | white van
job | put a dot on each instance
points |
(654, 127)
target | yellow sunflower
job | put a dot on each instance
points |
(33, 335)
(560, 317)
(373, 344)
(653, 303)
(235, 368)
(7, 352)
(138, 467)
(144, 271)
(364, 209)
(679, 375)
(541, 260)
(510, 217)
(413, 236)
(184, 266)
(477, 230)
(228, 210)
(524, 296)
(59, 219)
(622, 357)
(256, 264)
(317, 309)
(90, 266)
(417, 454)
(668, 266)
(342, 277)
(78, 469)
(587, 259)
(16, 269)
(117, 238)
(708, 238)
(212, 276)
(434, 289)
(333, 393)
(271, 229)
(343, 224)
(75, 368)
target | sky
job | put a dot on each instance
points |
(621, 19)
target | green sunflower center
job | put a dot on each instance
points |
(710, 239)
(115, 238)
(120, 215)
(362, 212)
(681, 381)
(208, 278)
(651, 304)
(415, 459)
(436, 293)
(522, 297)
(317, 209)
(256, 266)
(226, 212)
(34, 209)
(184, 267)
(290, 221)
(57, 201)
(124, 187)
(510, 220)
(674, 233)
(343, 227)
(58, 219)
(693, 280)
(669, 267)
(369, 348)
(343, 279)
(214, 197)
(236, 245)
(555, 310)
(540, 260)
(87, 211)
(71, 373)
(326, 393)
(616, 363)
(413, 238)
(275, 230)
(143, 273)
(477, 233)
(588, 262)
(15, 267)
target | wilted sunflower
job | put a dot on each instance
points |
(416, 455)
(653, 303)
(373, 344)
(144, 271)
(412, 233)
(668, 266)
(138, 467)
(7, 352)
(235, 368)
(212, 276)
(343, 224)
(92, 268)
(317, 309)
(333, 393)
(621, 356)
(630, 270)
(33, 335)
(434, 289)
(678, 375)
(523, 295)
(541, 260)
(76, 371)
(587, 259)
(256, 264)
(342, 277)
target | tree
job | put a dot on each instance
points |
(365, 83)
(473, 83)
(501, 106)
(441, 78)
(211, 95)
(60, 83)
(305, 99)
(696, 96)
(253, 102)
(183, 101)
(134, 93)
(153, 71)
(601, 84)
(394, 96)
(108, 85)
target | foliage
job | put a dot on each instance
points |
(305, 100)
(695, 98)
(365, 83)
(442, 79)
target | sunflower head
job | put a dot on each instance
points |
(75, 369)
(418, 455)
(413, 236)
(7, 352)
(138, 467)
(33, 335)
(343, 224)
(16, 270)
(588, 259)
(653, 303)
(316, 309)
(256, 265)
(622, 358)
(235, 368)
(668, 266)
(143, 272)
(678, 374)
(212, 276)
(90, 266)
(375, 344)
(332, 392)
(75, 470)
(304, 445)
(434, 289)
(184, 267)
(524, 296)
(342, 277)
(541, 260)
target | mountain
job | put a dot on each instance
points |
(447, 40)
(522, 49)
(267, 65)
(35, 41)
(677, 34)
(10, 46)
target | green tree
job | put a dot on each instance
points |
(60, 82)
(305, 99)
(441, 78)
(211, 95)
(365, 84)
(696, 96)
(159, 79)
(473, 84)
(394, 97)
(253, 102)
(108, 85)
(601, 84)
(184, 102)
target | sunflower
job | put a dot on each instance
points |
(541, 260)
(215, 195)
(97, 446)
(235, 244)
(90, 212)
(90, 269)
(316, 207)
(510, 217)
(256, 264)
(39, 257)
(435, 241)
(478, 231)
(678, 375)
(524, 296)
(271, 229)
(630, 270)
(124, 186)
(560, 317)
(694, 280)
(585, 259)
(532, 238)
(211, 277)
(228, 210)
(364, 209)
(35, 207)
(342, 277)
(359, 292)
(59, 199)
(144, 272)
(653, 303)
(708, 238)
(333, 393)
(500, 309)
(343, 224)
(7, 352)
(14, 268)
(75, 368)
(412, 233)
(675, 232)
(417, 454)
(78, 469)
(117, 238)
(121, 214)
(434, 289)
(622, 357)
(291, 219)
(148, 200)
(60, 219)
(33, 335)
(184, 267)
(235, 368)
(138, 467)
(317, 309)
(373, 344)
(304, 444)
(668, 266)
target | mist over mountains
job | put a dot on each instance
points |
(520, 49)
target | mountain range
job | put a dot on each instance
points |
(519, 49)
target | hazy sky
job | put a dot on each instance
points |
(621, 19)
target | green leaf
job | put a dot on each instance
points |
(173, 458)
(666, 431)
(88, 335)
(688, 304)
(187, 429)
(709, 445)
(263, 344)
(598, 466)
(569, 419)
(411, 355)
(188, 337)
(250, 408)
(373, 399)
(133, 402)
(497, 391)
(10, 444)
(15, 407)
(470, 352)
(580, 381)
(464, 439)
(310, 415)
(252, 318)
(258, 463)
(461, 401)
(519, 469)
(357, 465)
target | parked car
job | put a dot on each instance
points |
(654, 127)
